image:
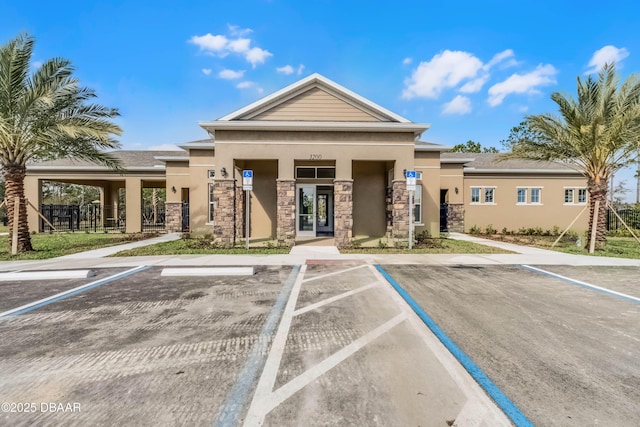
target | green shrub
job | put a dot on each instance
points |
(475, 230)
(490, 230)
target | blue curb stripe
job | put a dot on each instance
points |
(584, 285)
(507, 406)
(237, 398)
(78, 290)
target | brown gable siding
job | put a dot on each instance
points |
(316, 105)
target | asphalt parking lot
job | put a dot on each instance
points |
(321, 344)
(565, 354)
(328, 343)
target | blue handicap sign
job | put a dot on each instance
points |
(411, 174)
(247, 174)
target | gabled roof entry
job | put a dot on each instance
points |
(314, 81)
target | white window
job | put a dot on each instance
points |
(417, 205)
(210, 202)
(529, 195)
(575, 196)
(582, 195)
(483, 195)
(475, 194)
(488, 195)
(535, 195)
(568, 196)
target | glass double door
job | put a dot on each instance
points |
(315, 210)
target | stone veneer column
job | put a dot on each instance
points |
(224, 211)
(240, 216)
(173, 216)
(400, 210)
(286, 211)
(343, 211)
(455, 217)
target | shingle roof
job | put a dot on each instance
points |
(129, 158)
(491, 161)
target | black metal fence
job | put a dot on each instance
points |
(95, 218)
(153, 217)
(630, 216)
(185, 216)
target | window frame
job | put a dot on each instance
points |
(417, 207)
(482, 193)
(575, 199)
(210, 208)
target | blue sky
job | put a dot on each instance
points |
(471, 69)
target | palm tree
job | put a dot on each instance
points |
(595, 134)
(44, 115)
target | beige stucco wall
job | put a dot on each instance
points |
(452, 177)
(263, 198)
(177, 177)
(369, 192)
(506, 213)
(200, 162)
(341, 147)
(428, 162)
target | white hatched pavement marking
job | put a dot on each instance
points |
(265, 398)
(334, 273)
(335, 298)
(302, 380)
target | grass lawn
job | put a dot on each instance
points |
(619, 247)
(432, 246)
(57, 244)
(198, 246)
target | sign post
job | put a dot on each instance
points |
(411, 187)
(247, 186)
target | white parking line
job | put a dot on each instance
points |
(33, 305)
(256, 414)
(583, 284)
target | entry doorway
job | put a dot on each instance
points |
(315, 210)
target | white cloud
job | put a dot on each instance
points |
(407, 61)
(221, 45)
(287, 69)
(206, 71)
(255, 55)
(458, 105)
(475, 85)
(36, 64)
(239, 45)
(165, 147)
(235, 30)
(445, 70)
(231, 74)
(606, 55)
(300, 69)
(500, 57)
(249, 85)
(210, 43)
(522, 83)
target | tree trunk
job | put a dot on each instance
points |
(597, 191)
(14, 181)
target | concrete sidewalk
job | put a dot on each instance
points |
(524, 255)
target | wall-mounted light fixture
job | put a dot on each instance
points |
(173, 189)
(456, 189)
(223, 171)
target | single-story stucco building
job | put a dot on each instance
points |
(326, 162)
